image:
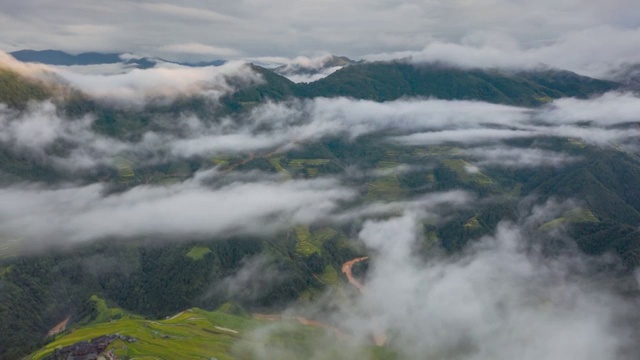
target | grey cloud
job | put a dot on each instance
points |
(47, 216)
(286, 125)
(495, 301)
(306, 69)
(35, 131)
(498, 299)
(609, 109)
(353, 28)
(433, 205)
(256, 276)
(138, 87)
(502, 156)
(591, 51)
(466, 136)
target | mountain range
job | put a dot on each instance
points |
(463, 156)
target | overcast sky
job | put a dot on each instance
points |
(198, 29)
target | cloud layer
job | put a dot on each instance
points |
(575, 34)
(192, 209)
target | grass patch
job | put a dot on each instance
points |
(384, 165)
(124, 168)
(576, 215)
(329, 276)
(577, 142)
(221, 161)
(194, 334)
(105, 313)
(544, 99)
(472, 223)
(309, 242)
(385, 188)
(431, 238)
(5, 270)
(304, 245)
(467, 172)
(198, 252)
(9, 248)
(276, 162)
(323, 235)
(302, 163)
(437, 150)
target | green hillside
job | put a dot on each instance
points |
(99, 286)
(193, 334)
(16, 91)
(384, 81)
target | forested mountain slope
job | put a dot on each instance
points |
(492, 165)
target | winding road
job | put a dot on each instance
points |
(378, 336)
(346, 269)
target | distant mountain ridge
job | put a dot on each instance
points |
(309, 70)
(61, 58)
(387, 81)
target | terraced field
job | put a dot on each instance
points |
(276, 162)
(329, 276)
(303, 163)
(125, 169)
(9, 248)
(191, 334)
(308, 242)
(385, 188)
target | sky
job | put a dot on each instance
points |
(196, 29)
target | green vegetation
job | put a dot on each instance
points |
(4, 270)
(194, 334)
(125, 169)
(17, 91)
(305, 246)
(199, 334)
(467, 172)
(276, 162)
(577, 215)
(103, 284)
(9, 248)
(302, 163)
(473, 223)
(198, 252)
(385, 188)
(329, 276)
(100, 312)
(384, 81)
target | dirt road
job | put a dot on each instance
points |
(378, 336)
(346, 269)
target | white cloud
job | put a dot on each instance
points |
(198, 48)
(137, 87)
(287, 125)
(163, 83)
(593, 51)
(41, 216)
(496, 300)
(502, 156)
(352, 28)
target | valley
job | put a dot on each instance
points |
(389, 210)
